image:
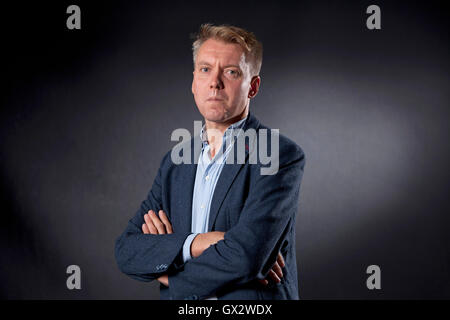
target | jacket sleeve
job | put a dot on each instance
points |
(250, 248)
(145, 257)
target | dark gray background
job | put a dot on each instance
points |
(87, 116)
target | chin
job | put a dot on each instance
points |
(215, 114)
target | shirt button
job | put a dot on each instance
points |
(202, 206)
(207, 177)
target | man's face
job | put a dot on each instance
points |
(221, 81)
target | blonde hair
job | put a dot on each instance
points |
(231, 34)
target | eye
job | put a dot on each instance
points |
(233, 73)
(204, 69)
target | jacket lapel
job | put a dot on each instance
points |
(186, 181)
(228, 175)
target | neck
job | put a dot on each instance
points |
(216, 130)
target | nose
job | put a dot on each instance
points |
(216, 82)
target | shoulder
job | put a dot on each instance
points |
(182, 153)
(288, 150)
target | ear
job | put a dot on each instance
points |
(254, 86)
(192, 86)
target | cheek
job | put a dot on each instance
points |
(197, 86)
(196, 90)
(240, 92)
(245, 87)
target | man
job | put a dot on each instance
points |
(217, 227)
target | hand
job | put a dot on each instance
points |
(203, 240)
(164, 279)
(275, 273)
(156, 225)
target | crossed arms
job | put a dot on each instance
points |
(155, 224)
(246, 252)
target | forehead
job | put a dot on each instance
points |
(213, 50)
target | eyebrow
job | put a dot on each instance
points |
(204, 63)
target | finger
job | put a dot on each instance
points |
(145, 229)
(280, 260)
(277, 269)
(274, 276)
(151, 228)
(150, 225)
(264, 282)
(157, 223)
(165, 220)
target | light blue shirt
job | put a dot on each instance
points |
(208, 172)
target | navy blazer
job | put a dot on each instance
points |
(256, 211)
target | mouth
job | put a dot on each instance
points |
(214, 99)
